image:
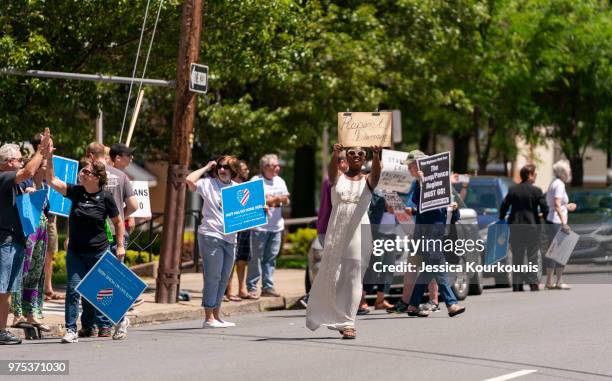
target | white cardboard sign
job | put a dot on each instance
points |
(141, 191)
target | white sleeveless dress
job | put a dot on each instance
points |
(334, 298)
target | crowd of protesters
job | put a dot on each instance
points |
(101, 203)
(103, 200)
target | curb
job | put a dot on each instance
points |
(190, 312)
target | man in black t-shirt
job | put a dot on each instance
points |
(12, 239)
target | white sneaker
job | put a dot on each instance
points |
(70, 337)
(227, 324)
(213, 324)
(121, 329)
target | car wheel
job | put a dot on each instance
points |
(307, 283)
(476, 287)
(460, 283)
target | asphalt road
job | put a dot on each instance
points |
(546, 335)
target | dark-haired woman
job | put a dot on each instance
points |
(91, 207)
(334, 298)
(216, 249)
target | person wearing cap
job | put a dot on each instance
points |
(121, 155)
(430, 225)
(12, 238)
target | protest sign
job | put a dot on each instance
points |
(436, 185)
(65, 170)
(243, 206)
(30, 206)
(364, 129)
(141, 191)
(497, 242)
(562, 246)
(111, 287)
(394, 176)
(393, 200)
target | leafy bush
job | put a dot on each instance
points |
(299, 242)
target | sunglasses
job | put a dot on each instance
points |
(87, 172)
(223, 166)
(273, 165)
(353, 152)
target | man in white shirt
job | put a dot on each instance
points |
(266, 240)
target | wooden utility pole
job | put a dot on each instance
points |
(169, 274)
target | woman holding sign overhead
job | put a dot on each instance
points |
(91, 206)
(335, 294)
(216, 249)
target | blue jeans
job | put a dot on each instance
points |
(265, 247)
(425, 278)
(77, 266)
(217, 260)
(11, 267)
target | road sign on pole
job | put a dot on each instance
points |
(198, 78)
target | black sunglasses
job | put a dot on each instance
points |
(87, 172)
(224, 166)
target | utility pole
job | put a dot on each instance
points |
(168, 277)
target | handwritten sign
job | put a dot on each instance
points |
(436, 186)
(395, 176)
(365, 129)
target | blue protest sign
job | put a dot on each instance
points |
(243, 206)
(30, 207)
(65, 170)
(497, 242)
(111, 287)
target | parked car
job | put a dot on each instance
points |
(462, 283)
(592, 220)
(485, 194)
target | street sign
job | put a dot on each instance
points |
(198, 78)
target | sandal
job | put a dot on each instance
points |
(562, 286)
(235, 298)
(550, 287)
(225, 299)
(349, 333)
(42, 326)
(53, 296)
(22, 324)
(251, 296)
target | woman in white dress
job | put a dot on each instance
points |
(335, 294)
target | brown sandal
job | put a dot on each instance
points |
(349, 333)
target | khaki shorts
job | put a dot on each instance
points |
(52, 233)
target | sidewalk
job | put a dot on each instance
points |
(289, 283)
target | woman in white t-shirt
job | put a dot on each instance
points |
(216, 249)
(558, 208)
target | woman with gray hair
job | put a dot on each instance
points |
(558, 208)
(266, 240)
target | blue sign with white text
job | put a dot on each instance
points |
(497, 242)
(65, 170)
(30, 207)
(243, 206)
(111, 287)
